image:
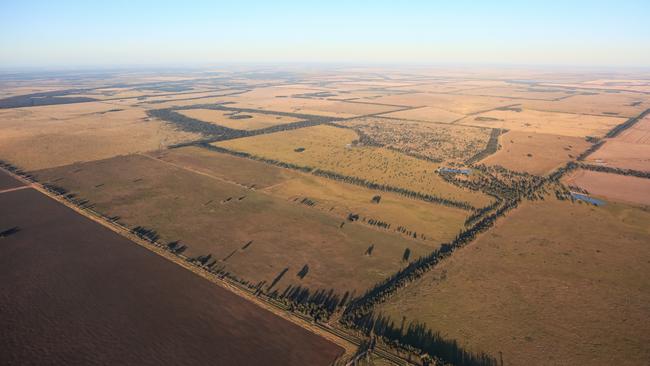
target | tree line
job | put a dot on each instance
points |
(346, 179)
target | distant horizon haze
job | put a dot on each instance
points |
(73, 33)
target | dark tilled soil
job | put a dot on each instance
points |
(7, 181)
(74, 293)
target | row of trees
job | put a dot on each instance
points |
(491, 147)
(347, 179)
(359, 313)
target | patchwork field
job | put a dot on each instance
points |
(613, 187)
(535, 153)
(311, 187)
(443, 143)
(629, 150)
(599, 103)
(250, 234)
(426, 114)
(461, 104)
(74, 292)
(332, 149)
(41, 137)
(566, 124)
(238, 121)
(432, 223)
(572, 289)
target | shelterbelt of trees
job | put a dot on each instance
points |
(346, 179)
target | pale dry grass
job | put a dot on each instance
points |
(224, 118)
(459, 104)
(535, 153)
(42, 137)
(571, 289)
(566, 124)
(330, 148)
(607, 104)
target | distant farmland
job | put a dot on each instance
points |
(74, 292)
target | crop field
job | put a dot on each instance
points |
(629, 150)
(426, 114)
(618, 104)
(535, 153)
(442, 143)
(249, 234)
(55, 296)
(566, 124)
(571, 289)
(332, 149)
(42, 137)
(523, 93)
(614, 187)
(239, 121)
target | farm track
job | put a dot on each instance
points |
(348, 341)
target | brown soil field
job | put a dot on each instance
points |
(433, 141)
(331, 149)
(8, 182)
(621, 104)
(427, 114)
(535, 153)
(566, 124)
(241, 121)
(436, 223)
(623, 155)
(73, 292)
(639, 133)
(614, 187)
(213, 216)
(41, 137)
(572, 288)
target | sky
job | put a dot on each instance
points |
(67, 33)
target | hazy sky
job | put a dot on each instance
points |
(142, 32)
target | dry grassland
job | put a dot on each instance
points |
(238, 121)
(211, 216)
(331, 149)
(566, 124)
(517, 92)
(461, 104)
(605, 104)
(427, 114)
(535, 153)
(41, 137)
(571, 289)
(629, 150)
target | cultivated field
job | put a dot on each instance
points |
(535, 153)
(617, 104)
(629, 150)
(615, 187)
(572, 289)
(252, 235)
(566, 124)
(332, 149)
(74, 292)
